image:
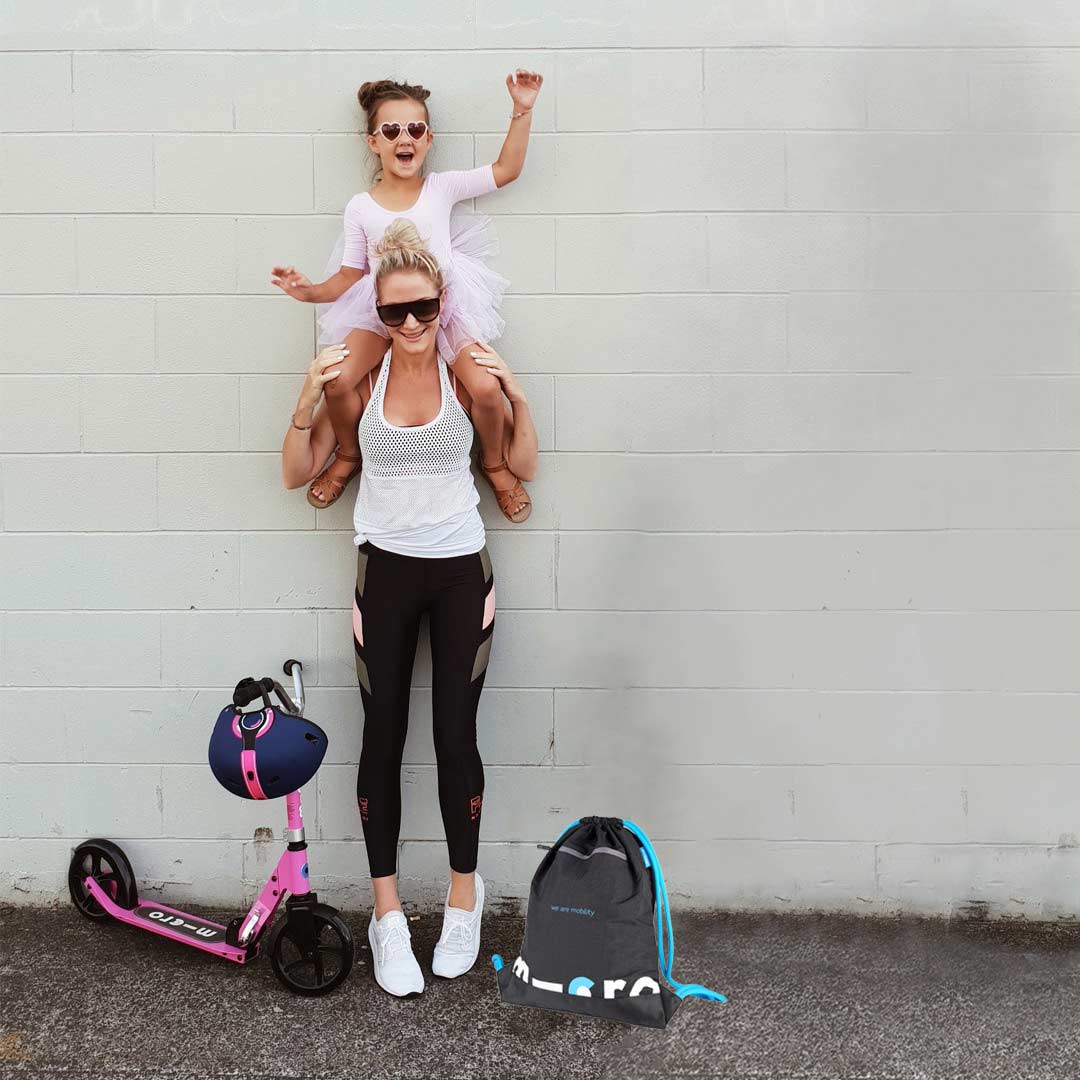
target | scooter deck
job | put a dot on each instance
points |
(181, 922)
(173, 923)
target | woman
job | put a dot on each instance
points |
(422, 548)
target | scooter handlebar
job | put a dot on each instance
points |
(248, 689)
(294, 668)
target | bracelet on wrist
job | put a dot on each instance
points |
(515, 115)
(297, 426)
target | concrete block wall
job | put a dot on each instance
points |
(795, 298)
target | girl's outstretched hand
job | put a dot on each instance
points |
(524, 86)
(288, 279)
(488, 358)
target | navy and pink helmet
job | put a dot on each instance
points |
(264, 754)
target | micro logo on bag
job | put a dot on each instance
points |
(590, 912)
(581, 986)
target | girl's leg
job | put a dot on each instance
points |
(488, 413)
(462, 622)
(344, 405)
(387, 604)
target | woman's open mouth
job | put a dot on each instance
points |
(414, 337)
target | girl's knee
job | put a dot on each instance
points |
(465, 365)
(366, 349)
(345, 385)
(484, 388)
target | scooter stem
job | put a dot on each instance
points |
(294, 832)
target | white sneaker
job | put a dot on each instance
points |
(459, 943)
(396, 969)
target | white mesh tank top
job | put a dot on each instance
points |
(417, 495)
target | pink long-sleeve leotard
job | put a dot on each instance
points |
(461, 243)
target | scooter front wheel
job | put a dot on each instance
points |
(107, 864)
(320, 966)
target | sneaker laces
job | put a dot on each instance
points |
(458, 930)
(396, 939)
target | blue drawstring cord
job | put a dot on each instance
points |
(572, 825)
(663, 923)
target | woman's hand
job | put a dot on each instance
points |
(288, 279)
(487, 357)
(323, 368)
(524, 87)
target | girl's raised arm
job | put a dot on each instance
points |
(458, 184)
(524, 86)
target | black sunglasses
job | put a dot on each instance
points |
(422, 310)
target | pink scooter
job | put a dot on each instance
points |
(311, 950)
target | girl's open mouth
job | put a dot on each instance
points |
(405, 156)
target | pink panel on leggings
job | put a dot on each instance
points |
(357, 623)
(489, 607)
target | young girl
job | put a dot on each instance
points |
(399, 133)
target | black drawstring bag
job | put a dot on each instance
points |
(595, 930)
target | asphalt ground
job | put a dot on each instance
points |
(809, 997)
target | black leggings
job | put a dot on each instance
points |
(392, 592)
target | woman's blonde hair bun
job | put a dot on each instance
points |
(403, 248)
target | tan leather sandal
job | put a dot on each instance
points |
(331, 485)
(515, 496)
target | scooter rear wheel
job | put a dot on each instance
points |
(327, 966)
(108, 865)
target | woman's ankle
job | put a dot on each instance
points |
(462, 890)
(385, 892)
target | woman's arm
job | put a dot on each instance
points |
(519, 432)
(310, 439)
(519, 440)
(523, 91)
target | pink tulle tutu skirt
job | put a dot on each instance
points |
(474, 292)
